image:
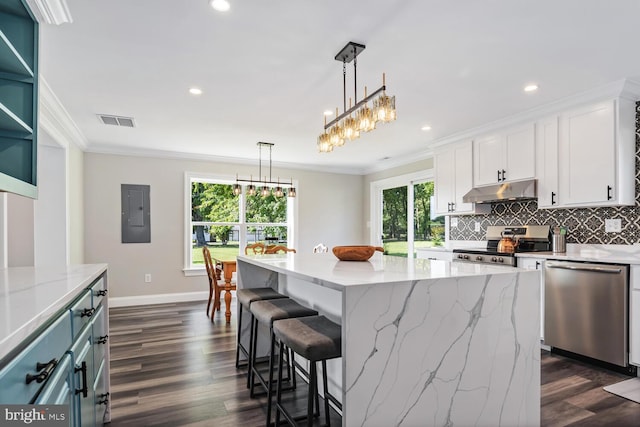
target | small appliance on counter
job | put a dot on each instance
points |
(503, 242)
(559, 240)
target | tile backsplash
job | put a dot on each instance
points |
(584, 225)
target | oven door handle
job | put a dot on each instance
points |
(608, 270)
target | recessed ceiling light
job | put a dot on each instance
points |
(531, 88)
(328, 113)
(426, 127)
(220, 5)
(195, 91)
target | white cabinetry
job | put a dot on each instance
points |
(505, 156)
(442, 255)
(634, 316)
(453, 179)
(597, 155)
(536, 264)
(547, 162)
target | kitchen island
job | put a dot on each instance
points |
(425, 342)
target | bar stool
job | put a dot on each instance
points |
(267, 312)
(317, 339)
(245, 297)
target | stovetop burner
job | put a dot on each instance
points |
(531, 238)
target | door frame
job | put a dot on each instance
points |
(376, 188)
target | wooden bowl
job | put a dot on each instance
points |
(355, 253)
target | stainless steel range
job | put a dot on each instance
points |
(530, 238)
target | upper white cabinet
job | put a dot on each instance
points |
(547, 162)
(453, 179)
(597, 155)
(504, 156)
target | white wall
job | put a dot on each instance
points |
(20, 231)
(75, 204)
(50, 208)
(330, 210)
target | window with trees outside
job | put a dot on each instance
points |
(402, 216)
(226, 223)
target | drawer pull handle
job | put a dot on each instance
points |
(88, 312)
(103, 399)
(44, 370)
(85, 389)
(102, 340)
(101, 293)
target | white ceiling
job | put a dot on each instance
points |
(268, 73)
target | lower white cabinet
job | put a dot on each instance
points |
(634, 315)
(434, 254)
(536, 264)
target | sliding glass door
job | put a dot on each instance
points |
(402, 216)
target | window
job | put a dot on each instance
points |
(226, 223)
(401, 215)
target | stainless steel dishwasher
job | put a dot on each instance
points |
(586, 309)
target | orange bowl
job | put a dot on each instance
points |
(355, 253)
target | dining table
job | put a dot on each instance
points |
(228, 267)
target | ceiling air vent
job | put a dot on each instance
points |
(117, 120)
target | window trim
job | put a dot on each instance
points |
(290, 223)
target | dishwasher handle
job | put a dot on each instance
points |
(591, 268)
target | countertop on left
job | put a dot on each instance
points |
(30, 296)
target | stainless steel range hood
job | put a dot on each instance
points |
(508, 192)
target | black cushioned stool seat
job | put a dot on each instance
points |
(267, 312)
(317, 339)
(245, 297)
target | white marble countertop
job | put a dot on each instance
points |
(30, 296)
(615, 254)
(326, 270)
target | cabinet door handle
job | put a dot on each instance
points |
(85, 388)
(553, 198)
(453, 207)
(609, 188)
(87, 312)
(103, 399)
(44, 370)
(504, 175)
(537, 265)
(101, 293)
(499, 179)
(102, 340)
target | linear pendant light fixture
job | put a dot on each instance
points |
(359, 117)
(263, 186)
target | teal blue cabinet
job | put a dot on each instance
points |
(18, 98)
(67, 362)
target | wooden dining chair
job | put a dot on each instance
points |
(278, 249)
(255, 249)
(214, 289)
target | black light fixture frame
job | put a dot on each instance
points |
(347, 54)
(265, 181)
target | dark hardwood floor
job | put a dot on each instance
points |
(171, 366)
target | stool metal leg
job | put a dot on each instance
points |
(270, 382)
(252, 332)
(239, 333)
(252, 359)
(310, 397)
(279, 389)
(326, 393)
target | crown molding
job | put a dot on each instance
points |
(178, 155)
(627, 89)
(55, 120)
(53, 12)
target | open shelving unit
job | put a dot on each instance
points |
(18, 98)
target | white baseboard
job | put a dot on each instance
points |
(158, 299)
